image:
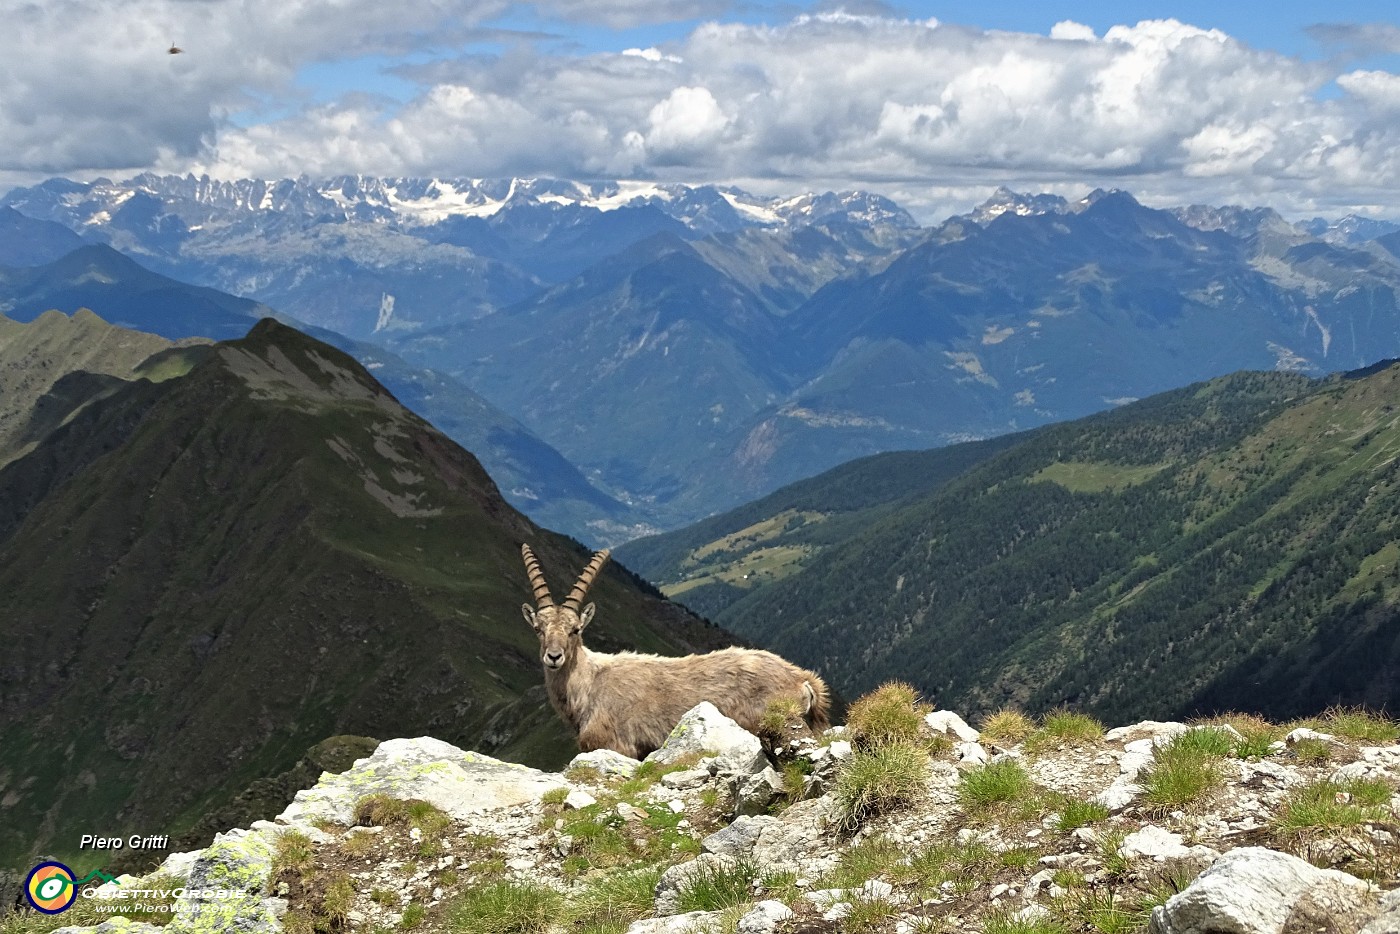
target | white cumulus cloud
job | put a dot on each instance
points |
(931, 112)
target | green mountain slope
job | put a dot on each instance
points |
(1230, 545)
(35, 356)
(715, 562)
(201, 578)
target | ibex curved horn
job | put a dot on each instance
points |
(585, 580)
(532, 567)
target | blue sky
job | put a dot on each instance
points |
(1294, 105)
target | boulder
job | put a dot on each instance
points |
(949, 723)
(753, 794)
(764, 917)
(238, 862)
(460, 783)
(1254, 890)
(706, 731)
(1146, 728)
(737, 840)
(606, 761)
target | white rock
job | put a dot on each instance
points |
(837, 911)
(676, 805)
(579, 799)
(874, 890)
(840, 749)
(693, 922)
(605, 761)
(764, 917)
(520, 864)
(945, 721)
(704, 729)
(1304, 733)
(460, 783)
(1388, 921)
(1153, 843)
(824, 898)
(1148, 728)
(738, 839)
(1120, 794)
(689, 778)
(1253, 890)
(970, 754)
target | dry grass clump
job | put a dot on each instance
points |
(1007, 727)
(890, 765)
(889, 714)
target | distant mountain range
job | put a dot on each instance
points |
(203, 576)
(685, 349)
(1229, 545)
(97, 278)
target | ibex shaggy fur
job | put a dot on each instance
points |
(630, 702)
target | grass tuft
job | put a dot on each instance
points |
(1360, 725)
(614, 899)
(1328, 805)
(1064, 727)
(1075, 813)
(984, 787)
(892, 713)
(714, 888)
(1007, 727)
(875, 781)
(505, 908)
(1185, 768)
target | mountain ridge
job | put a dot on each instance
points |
(203, 577)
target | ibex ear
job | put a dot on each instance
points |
(529, 612)
(587, 615)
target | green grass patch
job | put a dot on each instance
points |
(1064, 727)
(1361, 725)
(985, 787)
(1077, 812)
(1007, 727)
(714, 888)
(1185, 768)
(870, 858)
(869, 916)
(1089, 477)
(1312, 751)
(875, 781)
(505, 908)
(1328, 805)
(614, 899)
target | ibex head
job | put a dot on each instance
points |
(560, 628)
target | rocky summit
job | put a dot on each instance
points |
(905, 820)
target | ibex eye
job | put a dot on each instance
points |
(576, 630)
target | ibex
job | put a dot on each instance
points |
(630, 702)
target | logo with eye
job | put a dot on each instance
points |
(51, 888)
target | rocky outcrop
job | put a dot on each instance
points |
(473, 824)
